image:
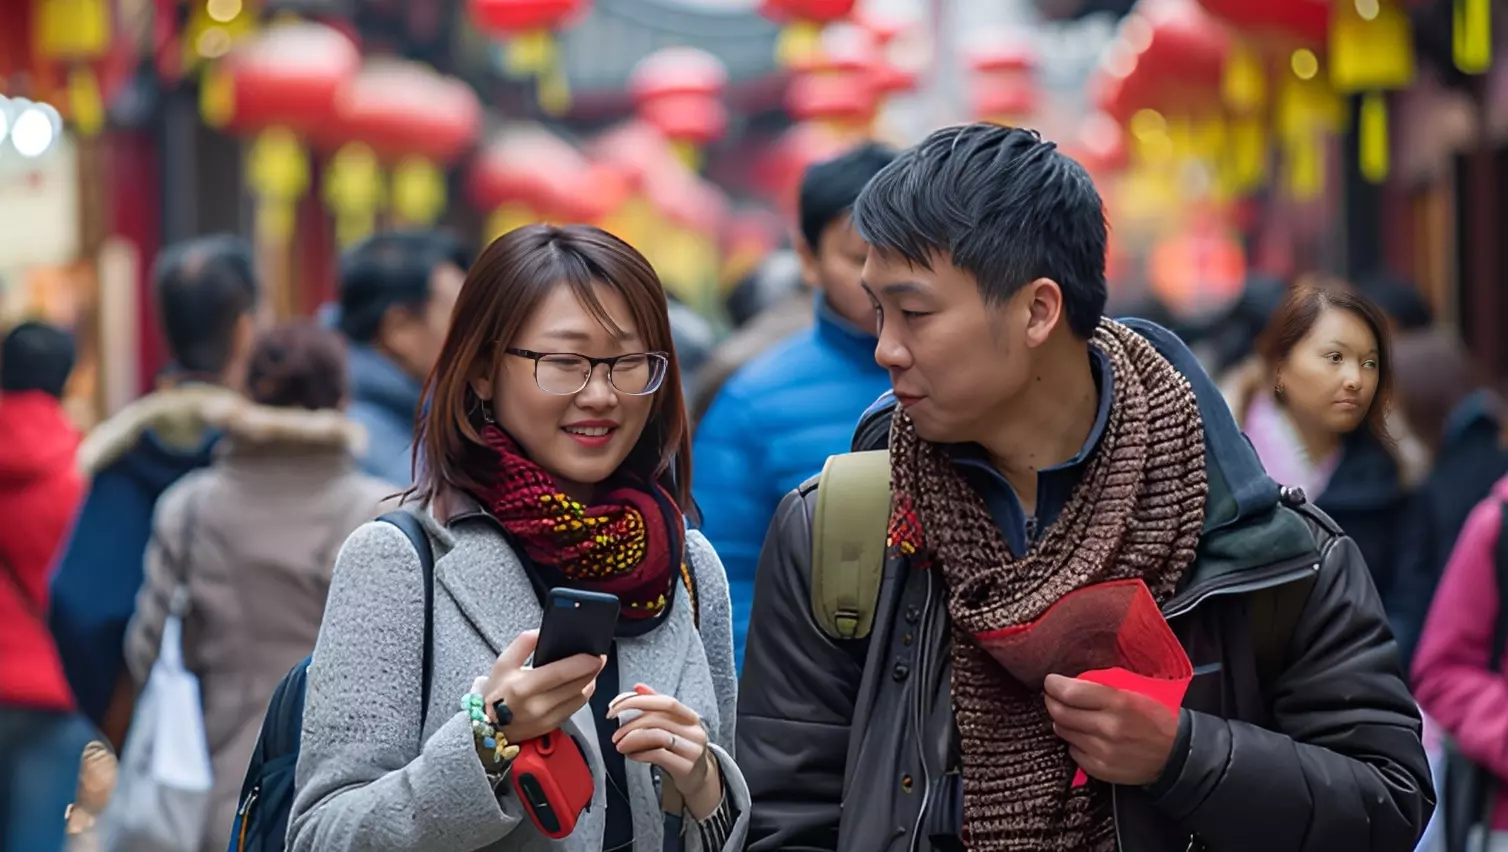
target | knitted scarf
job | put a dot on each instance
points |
(628, 543)
(1137, 512)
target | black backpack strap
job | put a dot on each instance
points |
(412, 527)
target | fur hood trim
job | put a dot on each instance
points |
(245, 421)
(177, 414)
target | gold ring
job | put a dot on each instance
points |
(673, 739)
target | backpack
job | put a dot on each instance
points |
(266, 801)
(1468, 791)
(848, 561)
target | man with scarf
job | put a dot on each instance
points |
(1036, 449)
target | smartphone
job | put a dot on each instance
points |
(576, 622)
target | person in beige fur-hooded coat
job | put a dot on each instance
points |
(253, 539)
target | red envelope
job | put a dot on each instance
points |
(1110, 633)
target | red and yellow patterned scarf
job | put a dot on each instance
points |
(628, 543)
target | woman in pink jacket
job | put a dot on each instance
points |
(1454, 678)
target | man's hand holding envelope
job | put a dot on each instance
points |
(1113, 677)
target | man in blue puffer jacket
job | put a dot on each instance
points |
(775, 422)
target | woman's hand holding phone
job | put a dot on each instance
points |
(668, 734)
(541, 699)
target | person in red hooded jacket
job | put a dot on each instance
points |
(40, 488)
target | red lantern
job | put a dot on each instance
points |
(1014, 104)
(403, 109)
(535, 175)
(678, 90)
(1187, 45)
(1306, 21)
(838, 84)
(527, 26)
(288, 76)
(1004, 84)
(803, 21)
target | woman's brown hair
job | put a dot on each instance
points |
(1307, 300)
(502, 289)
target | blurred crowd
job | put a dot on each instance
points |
(233, 501)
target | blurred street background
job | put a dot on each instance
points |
(1229, 138)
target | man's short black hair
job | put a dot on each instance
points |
(1001, 204)
(829, 188)
(203, 288)
(391, 269)
(36, 357)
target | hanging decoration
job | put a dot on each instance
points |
(277, 173)
(354, 192)
(636, 152)
(527, 29)
(1371, 51)
(287, 76)
(678, 90)
(837, 86)
(778, 173)
(526, 174)
(77, 34)
(408, 115)
(1306, 113)
(212, 29)
(1003, 85)
(1471, 35)
(801, 25)
(904, 51)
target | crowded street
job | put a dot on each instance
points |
(753, 426)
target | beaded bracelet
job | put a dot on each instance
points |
(490, 741)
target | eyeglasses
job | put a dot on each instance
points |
(567, 373)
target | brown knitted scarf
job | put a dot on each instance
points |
(1137, 512)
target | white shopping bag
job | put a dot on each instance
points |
(161, 801)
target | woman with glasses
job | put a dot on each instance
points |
(554, 453)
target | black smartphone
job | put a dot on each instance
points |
(576, 622)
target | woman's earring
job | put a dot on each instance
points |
(1277, 390)
(487, 413)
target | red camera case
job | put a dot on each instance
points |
(553, 782)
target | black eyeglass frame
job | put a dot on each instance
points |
(536, 357)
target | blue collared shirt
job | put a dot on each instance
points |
(1054, 484)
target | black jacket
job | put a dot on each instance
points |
(850, 746)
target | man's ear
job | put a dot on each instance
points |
(1044, 310)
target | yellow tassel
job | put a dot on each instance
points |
(1247, 151)
(85, 104)
(1471, 36)
(529, 54)
(217, 96)
(1305, 169)
(688, 153)
(354, 192)
(418, 192)
(276, 220)
(1372, 137)
(798, 42)
(1243, 83)
(554, 90)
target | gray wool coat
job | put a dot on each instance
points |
(364, 782)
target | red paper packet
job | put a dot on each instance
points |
(1110, 633)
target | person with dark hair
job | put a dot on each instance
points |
(1035, 449)
(257, 531)
(783, 413)
(1461, 423)
(1320, 414)
(397, 290)
(40, 488)
(553, 455)
(208, 303)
